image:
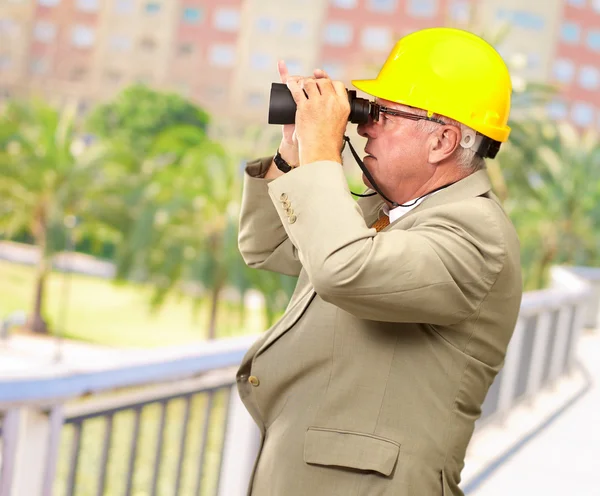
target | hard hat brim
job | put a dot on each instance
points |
(374, 88)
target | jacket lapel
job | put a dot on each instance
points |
(477, 184)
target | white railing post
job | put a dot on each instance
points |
(29, 453)
(511, 369)
(580, 313)
(560, 346)
(10, 444)
(539, 352)
(242, 441)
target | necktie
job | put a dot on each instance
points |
(382, 222)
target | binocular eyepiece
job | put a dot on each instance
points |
(282, 107)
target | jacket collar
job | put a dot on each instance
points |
(474, 185)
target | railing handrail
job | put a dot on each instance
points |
(221, 354)
(46, 390)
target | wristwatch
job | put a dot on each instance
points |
(281, 164)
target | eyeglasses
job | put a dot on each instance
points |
(376, 109)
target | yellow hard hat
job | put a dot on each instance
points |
(450, 72)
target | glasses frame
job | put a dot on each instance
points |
(377, 109)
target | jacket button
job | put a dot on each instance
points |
(253, 380)
(286, 204)
(292, 219)
(283, 197)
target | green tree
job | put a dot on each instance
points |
(552, 173)
(139, 114)
(48, 175)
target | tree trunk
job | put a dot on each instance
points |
(544, 265)
(214, 304)
(36, 322)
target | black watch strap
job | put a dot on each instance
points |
(281, 164)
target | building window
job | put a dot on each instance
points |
(8, 28)
(113, 76)
(422, 8)
(185, 49)
(222, 55)
(296, 28)
(255, 99)
(49, 3)
(152, 8)
(260, 61)
(344, 4)
(295, 67)
(82, 36)
(589, 77)
(338, 34)
(382, 5)
(265, 24)
(582, 114)
(120, 43)
(44, 31)
(193, 15)
(5, 62)
(521, 19)
(87, 5)
(460, 11)
(148, 44)
(596, 5)
(376, 38)
(227, 19)
(78, 73)
(576, 3)
(124, 6)
(39, 66)
(334, 70)
(593, 40)
(557, 110)
(563, 70)
(570, 32)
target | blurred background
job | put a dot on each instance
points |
(125, 126)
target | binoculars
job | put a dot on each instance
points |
(282, 107)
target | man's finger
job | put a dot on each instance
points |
(325, 86)
(283, 71)
(321, 74)
(310, 87)
(296, 90)
(340, 88)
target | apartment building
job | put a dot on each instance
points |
(16, 18)
(576, 66)
(223, 53)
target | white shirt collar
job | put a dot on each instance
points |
(396, 213)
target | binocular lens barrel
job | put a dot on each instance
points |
(282, 107)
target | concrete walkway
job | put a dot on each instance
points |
(560, 455)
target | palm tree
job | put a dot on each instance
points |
(553, 174)
(48, 175)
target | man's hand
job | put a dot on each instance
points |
(289, 142)
(321, 118)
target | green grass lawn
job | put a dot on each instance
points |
(101, 312)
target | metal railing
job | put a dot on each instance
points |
(177, 427)
(130, 431)
(542, 347)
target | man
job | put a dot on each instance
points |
(371, 382)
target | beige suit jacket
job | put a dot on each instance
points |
(371, 382)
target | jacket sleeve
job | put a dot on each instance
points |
(438, 272)
(262, 240)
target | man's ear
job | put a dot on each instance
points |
(443, 144)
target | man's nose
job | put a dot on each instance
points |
(367, 130)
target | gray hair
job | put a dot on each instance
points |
(466, 158)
